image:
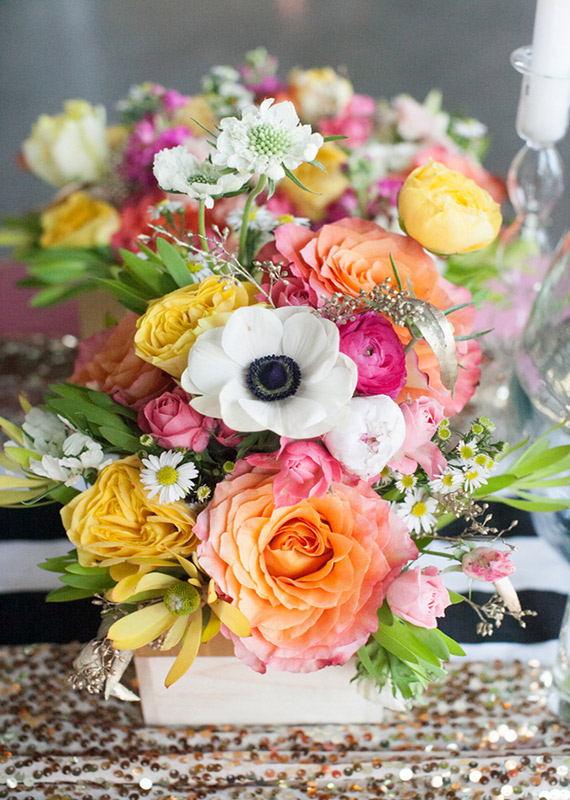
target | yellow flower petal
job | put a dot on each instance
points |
(188, 651)
(175, 633)
(141, 627)
(123, 570)
(188, 566)
(232, 617)
(156, 580)
(212, 628)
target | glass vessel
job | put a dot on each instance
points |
(540, 399)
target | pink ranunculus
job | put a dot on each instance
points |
(487, 564)
(355, 122)
(306, 469)
(422, 418)
(372, 343)
(308, 577)
(419, 596)
(174, 423)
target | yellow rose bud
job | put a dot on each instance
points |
(327, 186)
(319, 92)
(115, 520)
(446, 212)
(71, 146)
(79, 221)
(169, 328)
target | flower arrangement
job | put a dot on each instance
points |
(267, 443)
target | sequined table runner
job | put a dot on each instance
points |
(486, 733)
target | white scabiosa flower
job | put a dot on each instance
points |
(371, 434)
(178, 170)
(164, 476)
(271, 369)
(418, 511)
(266, 140)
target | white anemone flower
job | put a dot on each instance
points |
(164, 476)
(271, 369)
(178, 170)
(266, 140)
(371, 434)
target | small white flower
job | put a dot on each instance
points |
(164, 476)
(51, 467)
(466, 451)
(271, 369)
(372, 433)
(44, 432)
(474, 477)
(446, 482)
(468, 128)
(266, 140)
(405, 483)
(418, 511)
(285, 219)
(178, 170)
(260, 219)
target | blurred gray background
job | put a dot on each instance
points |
(52, 50)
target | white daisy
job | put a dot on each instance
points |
(418, 511)
(284, 219)
(260, 219)
(271, 369)
(177, 170)
(266, 140)
(474, 477)
(466, 451)
(163, 475)
(446, 482)
(405, 483)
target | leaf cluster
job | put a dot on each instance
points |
(96, 415)
(409, 656)
(80, 582)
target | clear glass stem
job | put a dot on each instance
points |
(560, 693)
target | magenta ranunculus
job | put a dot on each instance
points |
(422, 418)
(487, 564)
(306, 469)
(419, 596)
(174, 423)
(373, 344)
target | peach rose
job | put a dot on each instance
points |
(353, 255)
(107, 362)
(308, 577)
(114, 520)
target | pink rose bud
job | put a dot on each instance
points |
(174, 423)
(422, 418)
(487, 564)
(419, 596)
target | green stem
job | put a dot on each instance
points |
(202, 226)
(245, 218)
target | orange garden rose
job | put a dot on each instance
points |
(308, 577)
(169, 328)
(353, 255)
(107, 362)
(114, 520)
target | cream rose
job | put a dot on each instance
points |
(71, 146)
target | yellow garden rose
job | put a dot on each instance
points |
(115, 520)
(327, 186)
(71, 146)
(169, 328)
(319, 92)
(79, 221)
(446, 212)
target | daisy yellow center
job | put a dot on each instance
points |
(472, 474)
(285, 218)
(466, 451)
(181, 599)
(419, 509)
(408, 481)
(269, 140)
(447, 480)
(481, 460)
(167, 476)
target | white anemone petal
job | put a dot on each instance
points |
(232, 409)
(252, 332)
(209, 368)
(308, 341)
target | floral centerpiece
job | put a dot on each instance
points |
(266, 445)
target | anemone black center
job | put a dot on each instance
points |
(273, 377)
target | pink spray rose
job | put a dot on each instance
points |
(419, 596)
(305, 470)
(174, 423)
(422, 418)
(373, 344)
(487, 564)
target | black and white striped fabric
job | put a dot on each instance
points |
(30, 536)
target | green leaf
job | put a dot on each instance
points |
(454, 648)
(385, 615)
(92, 583)
(146, 272)
(71, 409)
(317, 164)
(494, 484)
(66, 593)
(58, 563)
(134, 301)
(430, 640)
(534, 505)
(77, 569)
(63, 494)
(455, 598)
(334, 138)
(53, 295)
(174, 263)
(125, 441)
(297, 182)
